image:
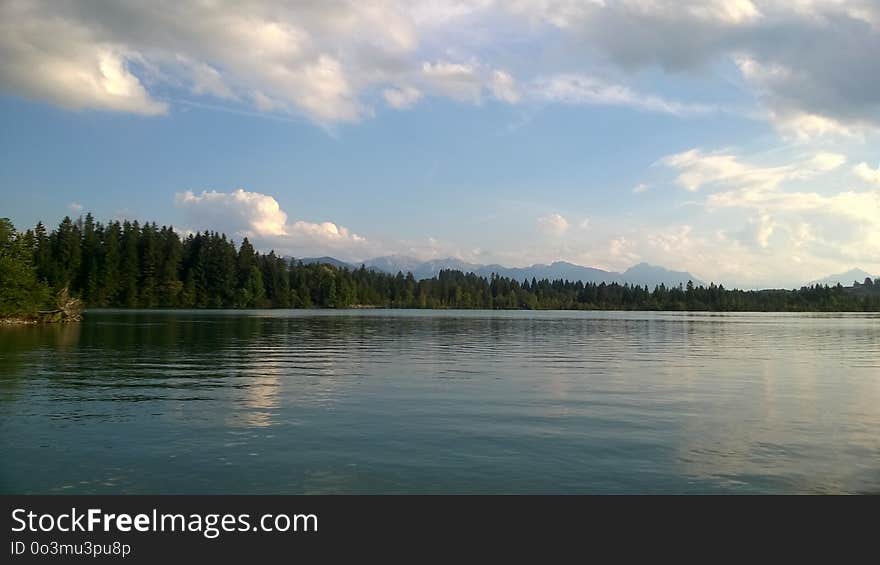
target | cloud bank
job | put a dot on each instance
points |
(260, 218)
(810, 64)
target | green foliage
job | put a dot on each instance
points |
(21, 293)
(145, 266)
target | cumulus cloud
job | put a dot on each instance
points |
(239, 211)
(75, 207)
(790, 214)
(260, 217)
(308, 58)
(66, 63)
(811, 63)
(553, 225)
(325, 231)
(311, 58)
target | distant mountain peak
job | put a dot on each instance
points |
(846, 278)
(646, 274)
(326, 261)
(641, 274)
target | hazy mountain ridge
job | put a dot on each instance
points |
(326, 261)
(846, 278)
(641, 274)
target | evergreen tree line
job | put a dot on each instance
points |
(132, 265)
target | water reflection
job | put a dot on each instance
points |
(282, 401)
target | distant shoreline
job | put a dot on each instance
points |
(18, 321)
(441, 309)
(131, 265)
(54, 317)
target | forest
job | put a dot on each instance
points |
(132, 265)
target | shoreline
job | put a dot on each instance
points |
(50, 317)
(17, 321)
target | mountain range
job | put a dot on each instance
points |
(641, 274)
(845, 279)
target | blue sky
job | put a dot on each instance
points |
(735, 139)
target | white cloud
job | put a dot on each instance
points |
(504, 87)
(674, 239)
(239, 211)
(793, 122)
(727, 11)
(774, 217)
(260, 217)
(823, 162)
(553, 225)
(75, 207)
(851, 205)
(460, 81)
(325, 91)
(867, 174)
(584, 89)
(267, 104)
(804, 127)
(764, 227)
(401, 98)
(65, 63)
(812, 64)
(641, 187)
(621, 252)
(205, 79)
(313, 59)
(326, 231)
(698, 169)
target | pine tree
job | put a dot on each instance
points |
(42, 252)
(111, 242)
(21, 293)
(250, 289)
(129, 265)
(66, 254)
(170, 257)
(89, 278)
(148, 259)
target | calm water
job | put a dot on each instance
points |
(436, 402)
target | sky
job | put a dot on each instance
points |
(734, 139)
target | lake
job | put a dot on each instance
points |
(385, 401)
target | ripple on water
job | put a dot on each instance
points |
(402, 401)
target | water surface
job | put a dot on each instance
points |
(441, 402)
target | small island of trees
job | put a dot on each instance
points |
(132, 265)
